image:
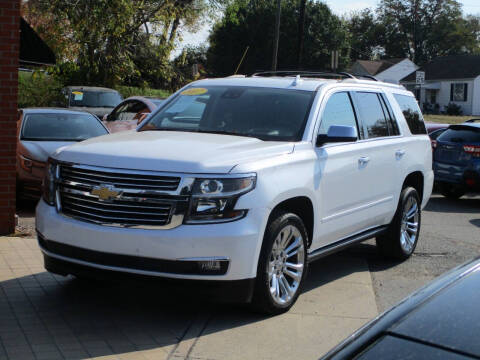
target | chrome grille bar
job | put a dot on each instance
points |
(139, 199)
(129, 180)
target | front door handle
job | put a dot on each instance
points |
(363, 160)
(399, 153)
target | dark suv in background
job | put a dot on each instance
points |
(456, 160)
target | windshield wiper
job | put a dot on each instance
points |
(221, 132)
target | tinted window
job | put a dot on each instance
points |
(372, 114)
(265, 113)
(435, 134)
(412, 114)
(391, 121)
(95, 98)
(460, 135)
(61, 127)
(338, 111)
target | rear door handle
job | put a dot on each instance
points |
(363, 160)
(399, 153)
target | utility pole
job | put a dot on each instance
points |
(301, 33)
(277, 36)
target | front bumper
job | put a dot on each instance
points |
(162, 253)
(238, 291)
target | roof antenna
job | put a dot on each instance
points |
(297, 80)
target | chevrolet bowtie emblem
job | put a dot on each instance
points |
(105, 192)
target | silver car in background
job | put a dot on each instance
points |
(40, 133)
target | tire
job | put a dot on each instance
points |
(270, 296)
(400, 239)
(451, 191)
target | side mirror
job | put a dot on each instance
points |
(338, 133)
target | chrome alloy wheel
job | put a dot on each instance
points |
(409, 225)
(285, 265)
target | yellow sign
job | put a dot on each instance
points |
(194, 91)
(77, 92)
(105, 192)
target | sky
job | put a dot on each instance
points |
(339, 7)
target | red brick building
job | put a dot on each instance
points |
(9, 51)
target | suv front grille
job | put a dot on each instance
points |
(120, 198)
(119, 179)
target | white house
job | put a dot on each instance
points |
(388, 70)
(449, 79)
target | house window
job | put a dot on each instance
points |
(458, 91)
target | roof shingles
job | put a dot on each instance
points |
(450, 67)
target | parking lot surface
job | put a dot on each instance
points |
(43, 316)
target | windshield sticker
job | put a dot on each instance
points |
(194, 91)
(78, 95)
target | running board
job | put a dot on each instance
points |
(342, 244)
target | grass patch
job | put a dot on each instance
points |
(448, 119)
(128, 91)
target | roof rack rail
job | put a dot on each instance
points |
(302, 73)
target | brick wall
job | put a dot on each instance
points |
(9, 47)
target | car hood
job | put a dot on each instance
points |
(99, 111)
(173, 151)
(40, 150)
(450, 319)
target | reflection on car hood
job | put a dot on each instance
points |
(451, 319)
(40, 150)
(173, 151)
(99, 111)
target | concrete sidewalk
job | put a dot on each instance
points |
(43, 316)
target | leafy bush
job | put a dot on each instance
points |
(453, 109)
(36, 89)
(128, 91)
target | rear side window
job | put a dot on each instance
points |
(412, 114)
(338, 111)
(373, 116)
(460, 135)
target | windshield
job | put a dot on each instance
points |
(95, 98)
(460, 134)
(61, 127)
(264, 113)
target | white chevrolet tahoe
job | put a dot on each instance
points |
(240, 183)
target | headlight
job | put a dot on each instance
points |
(214, 199)
(49, 182)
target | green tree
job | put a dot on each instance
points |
(424, 29)
(111, 39)
(251, 23)
(366, 35)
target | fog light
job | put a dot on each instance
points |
(210, 265)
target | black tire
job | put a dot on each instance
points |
(390, 243)
(263, 300)
(451, 191)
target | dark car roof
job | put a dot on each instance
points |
(443, 316)
(92, 88)
(52, 111)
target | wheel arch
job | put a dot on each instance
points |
(302, 206)
(416, 180)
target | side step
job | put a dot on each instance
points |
(342, 244)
